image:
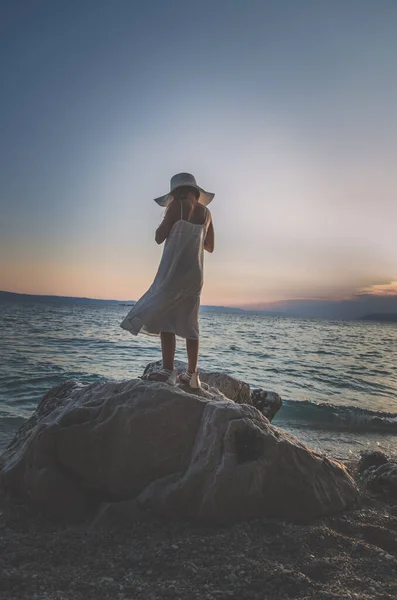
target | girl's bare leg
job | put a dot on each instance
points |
(168, 349)
(192, 349)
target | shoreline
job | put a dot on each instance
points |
(350, 555)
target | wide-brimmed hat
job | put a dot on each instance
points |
(182, 180)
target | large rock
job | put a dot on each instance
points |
(181, 455)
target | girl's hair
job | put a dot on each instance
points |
(195, 191)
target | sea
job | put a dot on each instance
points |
(337, 379)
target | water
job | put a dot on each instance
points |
(338, 379)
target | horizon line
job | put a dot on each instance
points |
(97, 299)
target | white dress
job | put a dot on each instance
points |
(173, 300)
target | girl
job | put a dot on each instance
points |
(171, 305)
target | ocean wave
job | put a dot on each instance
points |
(312, 415)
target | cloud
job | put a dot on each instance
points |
(385, 289)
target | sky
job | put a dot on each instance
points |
(286, 109)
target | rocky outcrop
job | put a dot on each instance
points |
(150, 447)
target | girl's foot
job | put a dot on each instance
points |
(191, 379)
(165, 375)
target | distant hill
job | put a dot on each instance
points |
(229, 309)
(14, 297)
(384, 317)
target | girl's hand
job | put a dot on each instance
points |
(170, 217)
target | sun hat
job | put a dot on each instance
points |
(182, 180)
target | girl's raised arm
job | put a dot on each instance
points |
(209, 241)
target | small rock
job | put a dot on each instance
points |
(268, 403)
(370, 458)
(382, 479)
